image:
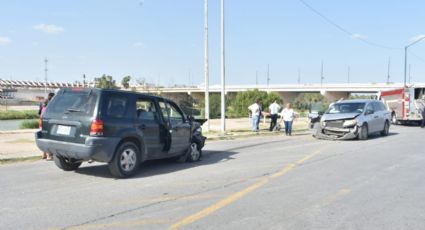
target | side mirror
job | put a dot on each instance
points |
(368, 112)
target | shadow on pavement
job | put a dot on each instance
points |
(164, 166)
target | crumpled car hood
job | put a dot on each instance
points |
(339, 116)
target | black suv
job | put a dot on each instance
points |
(118, 127)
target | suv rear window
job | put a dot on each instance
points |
(116, 106)
(81, 102)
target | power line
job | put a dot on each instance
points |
(416, 56)
(342, 29)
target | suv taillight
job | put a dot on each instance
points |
(96, 128)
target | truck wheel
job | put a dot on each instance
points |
(66, 164)
(194, 152)
(386, 129)
(126, 160)
(394, 119)
(363, 132)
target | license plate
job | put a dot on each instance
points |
(63, 130)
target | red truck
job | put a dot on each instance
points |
(405, 104)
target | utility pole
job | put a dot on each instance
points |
(268, 76)
(84, 81)
(388, 73)
(405, 56)
(299, 76)
(45, 75)
(206, 68)
(410, 77)
(256, 78)
(348, 75)
(321, 75)
(223, 78)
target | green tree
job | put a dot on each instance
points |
(125, 82)
(239, 106)
(303, 100)
(105, 82)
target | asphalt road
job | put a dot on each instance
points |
(274, 182)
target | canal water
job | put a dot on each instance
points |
(10, 124)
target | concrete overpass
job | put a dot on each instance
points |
(288, 91)
(331, 91)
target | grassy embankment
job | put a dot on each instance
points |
(30, 117)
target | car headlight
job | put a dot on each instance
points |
(348, 123)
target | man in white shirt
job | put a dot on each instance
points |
(255, 110)
(274, 110)
(288, 116)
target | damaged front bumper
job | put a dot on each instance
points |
(332, 133)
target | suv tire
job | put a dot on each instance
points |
(363, 132)
(66, 164)
(126, 160)
(194, 152)
(386, 129)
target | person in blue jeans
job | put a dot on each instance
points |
(288, 116)
(255, 111)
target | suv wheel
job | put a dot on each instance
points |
(363, 132)
(126, 160)
(66, 164)
(194, 152)
(386, 129)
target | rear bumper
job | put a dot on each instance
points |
(95, 148)
(337, 133)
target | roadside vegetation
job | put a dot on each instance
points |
(29, 124)
(14, 114)
(236, 104)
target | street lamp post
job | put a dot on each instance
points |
(207, 94)
(405, 58)
(223, 79)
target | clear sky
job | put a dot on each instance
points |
(162, 40)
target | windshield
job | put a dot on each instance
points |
(346, 108)
(81, 102)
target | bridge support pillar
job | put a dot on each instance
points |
(335, 96)
(288, 97)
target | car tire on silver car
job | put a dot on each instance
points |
(386, 129)
(126, 160)
(363, 132)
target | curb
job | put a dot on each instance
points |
(302, 132)
(19, 131)
(250, 134)
(12, 160)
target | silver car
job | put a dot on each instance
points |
(351, 119)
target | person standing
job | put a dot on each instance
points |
(274, 110)
(46, 155)
(288, 116)
(255, 111)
